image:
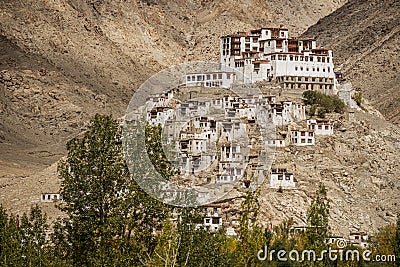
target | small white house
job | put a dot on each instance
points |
(279, 142)
(50, 197)
(213, 221)
(359, 238)
(320, 127)
(302, 137)
(280, 177)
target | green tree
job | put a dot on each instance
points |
(358, 98)
(318, 229)
(23, 241)
(321, 112)
(251, 235)
(197, 246)
(33, 232)
(166, 251)
(10, 240)
(110, 219)
(330, 103)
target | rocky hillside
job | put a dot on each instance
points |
(365, 36)
(359, 165)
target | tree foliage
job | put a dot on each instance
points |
(23, 241)
(106, 208)
(330, 103)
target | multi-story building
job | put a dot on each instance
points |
(320, 126)
(270, 54)
(302, 137)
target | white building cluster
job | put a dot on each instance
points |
(268, 54)
(196, 140)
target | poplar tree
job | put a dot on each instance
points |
(318, 229)
(110, 218)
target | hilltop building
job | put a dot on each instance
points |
(269, 54)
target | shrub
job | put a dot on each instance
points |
(330, 103)
(321, 112)
(358, 98)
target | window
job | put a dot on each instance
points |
(303, 133)
(215, 220)
(310, 141)
(301, 68)
(208, 76)
(303, 141)
(280, 177)
(295, 68)
(326, 127)
(307, 69)
(188, 78)
(220, 76)
(317, 69)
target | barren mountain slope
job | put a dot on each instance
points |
(365, 36)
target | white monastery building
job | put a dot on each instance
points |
(320, 127)
(222, 79)
(302, 137)
(270, 54)
(281, 178)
